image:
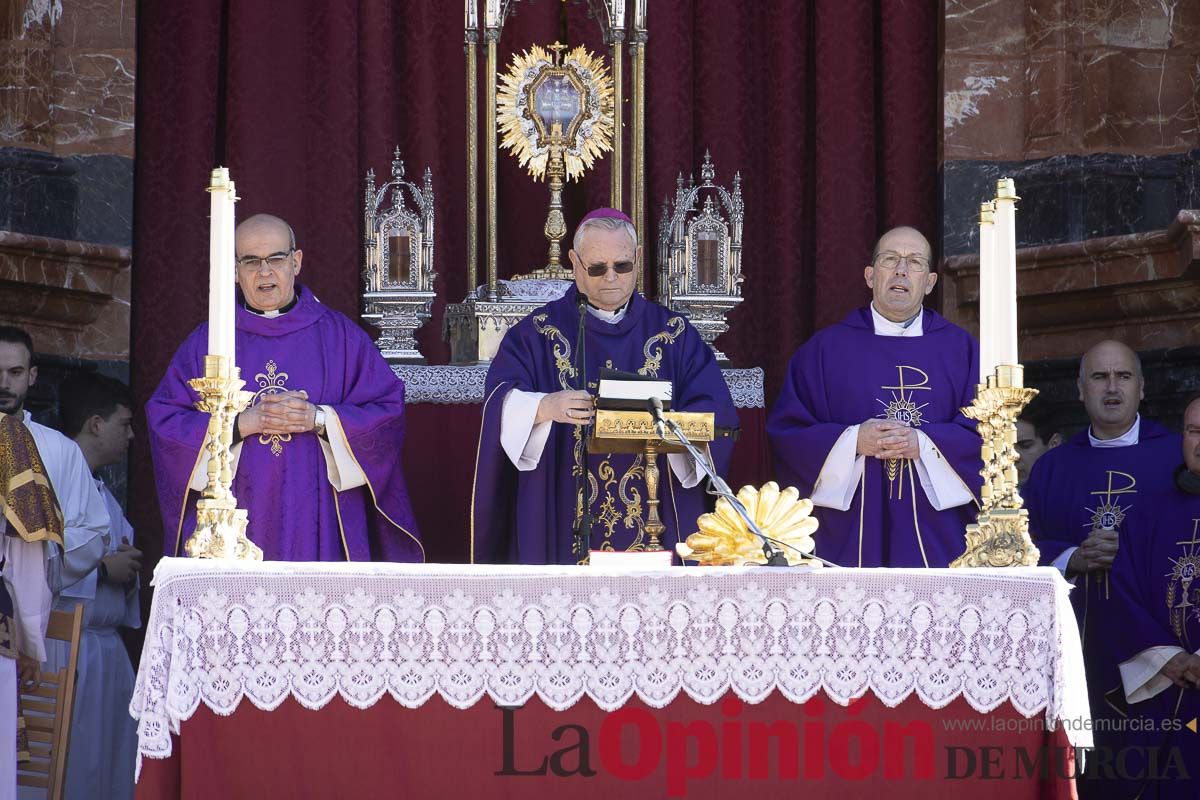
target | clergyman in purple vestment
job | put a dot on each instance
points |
(1081, 495)
(1156, 633)
(868, 422)
(318, 452)
(531, 446)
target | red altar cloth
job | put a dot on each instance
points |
(687, 750)
(440, 445)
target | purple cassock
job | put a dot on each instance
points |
(527, 517)
(1155, 590)
(1074, 488)
(282, 482)
(846, 374)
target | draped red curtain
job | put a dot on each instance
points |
(828, 109)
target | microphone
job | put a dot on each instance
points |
(582, 533)
(654, 406)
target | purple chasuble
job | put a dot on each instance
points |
(846, 374)
(1075, 487)
(1155, 590)
(282, 482)
(1071, 489)
(527, 517)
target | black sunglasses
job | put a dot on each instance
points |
(621, 268)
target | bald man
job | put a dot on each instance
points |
(317, 453)
(868, 422)
(1083, 493)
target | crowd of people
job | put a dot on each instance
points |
(868, 424)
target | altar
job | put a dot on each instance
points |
(444, 406)
(389, 680)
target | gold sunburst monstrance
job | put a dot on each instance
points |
(541, 91)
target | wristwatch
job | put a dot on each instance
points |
(320, 421)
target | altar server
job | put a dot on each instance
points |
(868, 421)
(537, 404)
(318, 452)
(30, 524)
(85, 520)
(96, 413)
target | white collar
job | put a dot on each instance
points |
(611, 317)
(1126, 439)
(885, 327)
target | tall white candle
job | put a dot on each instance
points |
(492, 13)
(472, 14)
(639, 14)
(221, 275)
(231, 282)
(1005, 282)
(987, 291)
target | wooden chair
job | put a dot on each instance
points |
(47, 711)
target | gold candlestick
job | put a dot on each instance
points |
(1000, 535)
(220, 524)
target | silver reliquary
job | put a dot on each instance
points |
(700, 252)
(398, 265)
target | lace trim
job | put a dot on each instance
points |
(464, 384)
(219, 633)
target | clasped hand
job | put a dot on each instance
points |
(278, 414)
(886, 439)
(571, 406)
(1183, 670)
(1096, 554)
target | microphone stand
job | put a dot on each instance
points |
(583, 521)
(775, 556)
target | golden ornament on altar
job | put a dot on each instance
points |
(725, 540)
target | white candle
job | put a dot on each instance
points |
(1005, 281)
(492, 13)
(221, 274)
(987, 292)
(639, 14)
(231, 282)
(618, 14)
(472, 14)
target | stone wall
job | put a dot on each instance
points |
(1093, 108)
(66, 174)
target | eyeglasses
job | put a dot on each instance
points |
(600, 270)
(272, 261)
(890, 261)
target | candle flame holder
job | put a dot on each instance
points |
(220, 525)
(1000, 535)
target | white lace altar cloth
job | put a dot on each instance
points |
(220, 632)
(451, 383)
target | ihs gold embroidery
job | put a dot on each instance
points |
(905, 410)
(1183, 590)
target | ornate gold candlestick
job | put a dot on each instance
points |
(1000, 536)
(220, 524)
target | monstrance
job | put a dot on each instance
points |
(555, 115)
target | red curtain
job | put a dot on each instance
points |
(828, 109)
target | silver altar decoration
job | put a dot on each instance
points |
(398, 264)
(700, 252)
